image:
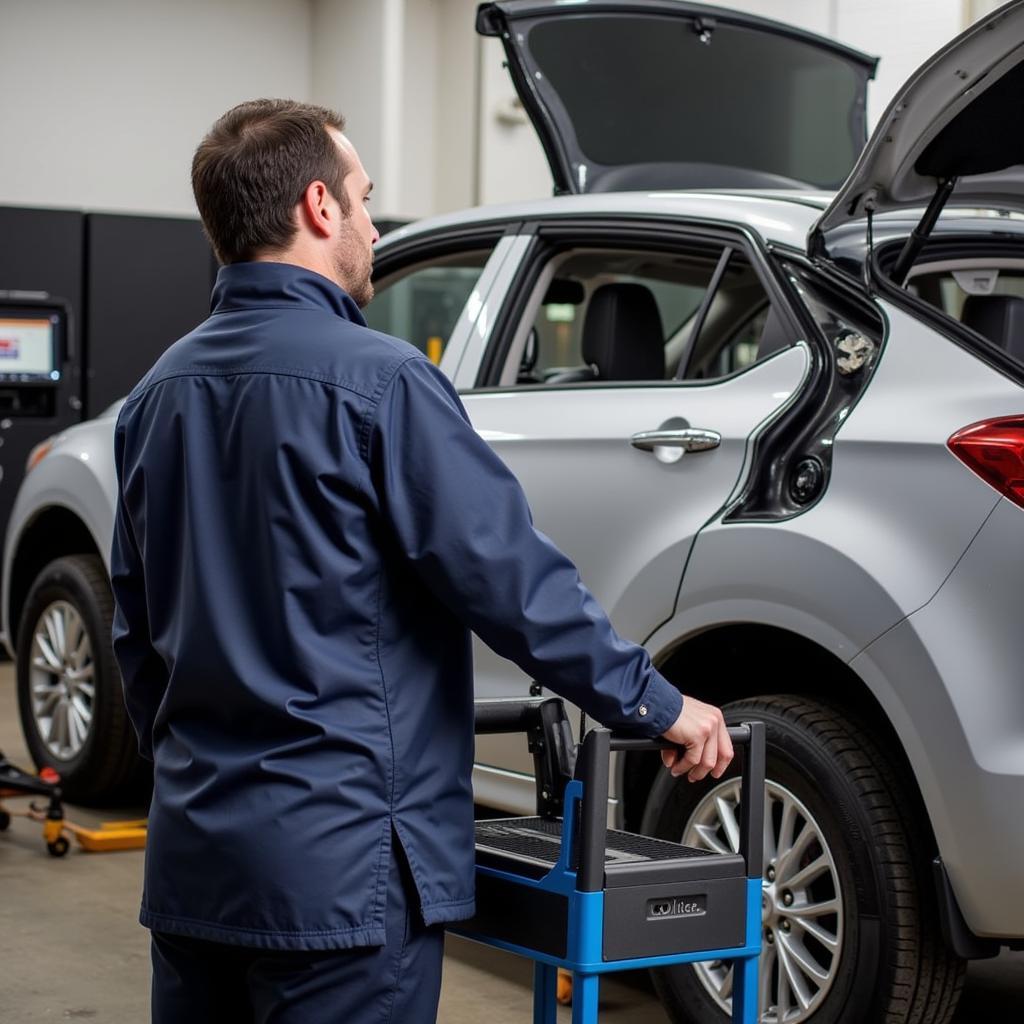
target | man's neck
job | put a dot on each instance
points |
(297, 257)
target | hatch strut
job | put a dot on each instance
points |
(702, 312)
(915, 243)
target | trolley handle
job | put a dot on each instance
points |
(549, 737)
(500, 716)
(739, 734)
(593, 769)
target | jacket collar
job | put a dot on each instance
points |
(260, 284)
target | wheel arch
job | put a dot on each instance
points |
(739, 660)
(54, 532)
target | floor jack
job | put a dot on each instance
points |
(566, 891)
(110, 835)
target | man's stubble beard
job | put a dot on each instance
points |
(353, 263)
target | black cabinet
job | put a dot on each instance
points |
(148, 282)
(127, 287)
(41, 251)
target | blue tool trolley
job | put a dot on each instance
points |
(566, 891)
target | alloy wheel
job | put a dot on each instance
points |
(801, 902)
(62, 680)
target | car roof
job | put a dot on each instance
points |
(782, 217)
(777, 217)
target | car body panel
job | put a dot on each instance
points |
(77, 474)
(960, 717)
(794, 102)
(482, 311)
(900, 165)
(851, 572)
(570, 449)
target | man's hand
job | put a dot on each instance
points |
(701, 729)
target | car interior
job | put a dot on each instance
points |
(422, 302)
(985, 295)
(619, 315)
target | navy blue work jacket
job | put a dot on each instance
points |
(308, 527)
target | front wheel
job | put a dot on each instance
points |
(69, 687)
(849, 927)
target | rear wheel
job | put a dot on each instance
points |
(69, 687)
(849, 927)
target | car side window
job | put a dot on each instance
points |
(987, 297)
(607, 316)
(421, 303)
(951, 287)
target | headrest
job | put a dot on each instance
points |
(564, 291)
(622, 334)
(1000, 318)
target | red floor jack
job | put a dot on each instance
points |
(566, 891)
(111, 835)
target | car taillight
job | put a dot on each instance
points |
(994, 449)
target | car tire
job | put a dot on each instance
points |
(70, 698)
(889, 963)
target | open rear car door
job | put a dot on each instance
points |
(953, 135)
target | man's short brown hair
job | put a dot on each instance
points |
(254, 166)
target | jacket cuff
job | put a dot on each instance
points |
(659, 707)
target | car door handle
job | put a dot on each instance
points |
(692, 439)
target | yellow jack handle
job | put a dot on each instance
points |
(111, 835)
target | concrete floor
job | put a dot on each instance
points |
(71, 948)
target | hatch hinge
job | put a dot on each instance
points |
(915, 243)
(489, 20)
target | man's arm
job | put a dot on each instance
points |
(462, 520)
(143, 672)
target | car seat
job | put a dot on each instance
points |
(1000, 318)
(623, 337)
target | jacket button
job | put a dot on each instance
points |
(643, 710)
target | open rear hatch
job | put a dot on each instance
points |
(656, 94)
(954, 134)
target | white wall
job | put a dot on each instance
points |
(512, 162)
(903, 34)
(102, 102)
(403, 72)
(421, 159)
(456, 153)
(357, 69)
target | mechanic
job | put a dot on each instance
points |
(307, 529)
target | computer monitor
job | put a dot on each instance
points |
(30, 345)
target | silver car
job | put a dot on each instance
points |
(771, 403)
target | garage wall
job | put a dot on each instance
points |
(104, 101)
(512, 164)
(903, 34)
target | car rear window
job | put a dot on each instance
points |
(986, 297)
(736, 98)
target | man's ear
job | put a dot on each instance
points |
(319, 209)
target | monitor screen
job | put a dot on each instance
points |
(29, 346)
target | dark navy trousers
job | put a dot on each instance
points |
(199, 982)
